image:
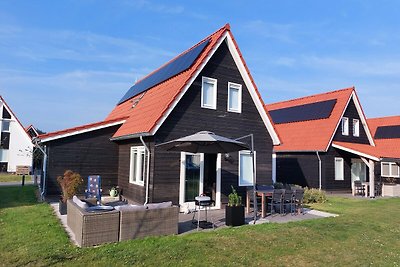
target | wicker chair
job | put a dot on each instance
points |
(359, 188)
(148, 222)
(276, 200)
(92, 228)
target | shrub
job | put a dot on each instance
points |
(313, 195)
(234, 199)
(69, 183)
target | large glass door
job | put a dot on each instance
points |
(192, 176)
(358, 171)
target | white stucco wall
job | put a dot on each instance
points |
(20, 148)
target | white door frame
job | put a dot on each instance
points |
(184, 206)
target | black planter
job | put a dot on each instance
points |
(234, 216)
(62, 208)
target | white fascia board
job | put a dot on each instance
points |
(187, 86)
(246, 78)
(361, 154)
(81, 131)
(252, 90)
(363, 119)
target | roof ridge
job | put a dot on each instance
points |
(385, 117)
(310, 96)
(225, 27)
(81, 126)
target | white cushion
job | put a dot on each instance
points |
(161, 205)
(80, 203)
(129, 207)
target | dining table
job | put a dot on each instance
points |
(263, 193)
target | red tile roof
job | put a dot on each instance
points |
(155, 102)
(74, 130)
(146, 111)
(312, 135)
(360, 148)
(387, 148)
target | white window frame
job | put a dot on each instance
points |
(345, 126)
(140, 167)
(390, 169)
(238, 87)
(247, 152)
(9, 125)
(214, 83)
(339, 176)
(356, 127)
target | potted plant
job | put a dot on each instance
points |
(69, 184)
(234, 212)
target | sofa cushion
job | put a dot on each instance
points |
(80, 203)
(130, 207)
(161, 205)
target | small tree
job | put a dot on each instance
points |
(69, 184)
(234, 199)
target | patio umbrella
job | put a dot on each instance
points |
(209, 142)
(204, 142)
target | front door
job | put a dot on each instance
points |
(200, 174)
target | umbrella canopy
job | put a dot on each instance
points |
(204, 142)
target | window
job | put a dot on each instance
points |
(137, 165)
(345, 126)
(234, 97)
(339, 169)
(246, 168)
(209, 93)
(356, 127)
(390, 169)
(5, 126)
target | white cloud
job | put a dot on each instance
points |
(280, 32)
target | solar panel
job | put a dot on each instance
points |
(173, 68)
(314, 111)
(387, 132)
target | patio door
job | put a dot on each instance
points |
(193, 181)
(358, 171)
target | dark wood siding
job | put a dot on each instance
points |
(351, 113)
(89, 153)
(188, 117)
(298, 168)
(132, 191)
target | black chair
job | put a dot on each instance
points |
(359, 188)
(276, 201)
(378, 188)
(298, 200)
(288, 201)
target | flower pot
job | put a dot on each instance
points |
(234, 216)
(62, 208)
(113, 192)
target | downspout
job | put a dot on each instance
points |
(44, 173)
(319, 171)
(147, 169)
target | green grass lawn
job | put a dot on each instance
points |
(367, 232)
(13, 178)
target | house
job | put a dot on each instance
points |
(325, 141)
(15, 144)
(32, 132)
(207, 87)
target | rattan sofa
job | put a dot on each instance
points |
(148, 222)
(92, 228)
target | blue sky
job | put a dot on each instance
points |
(66, 63)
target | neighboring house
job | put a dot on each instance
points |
(15, 143)
(386, 132)
(325, 141)
(32, 132)
(207, 87)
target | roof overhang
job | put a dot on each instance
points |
(81, 131)
(130, 136)
(353, 151)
